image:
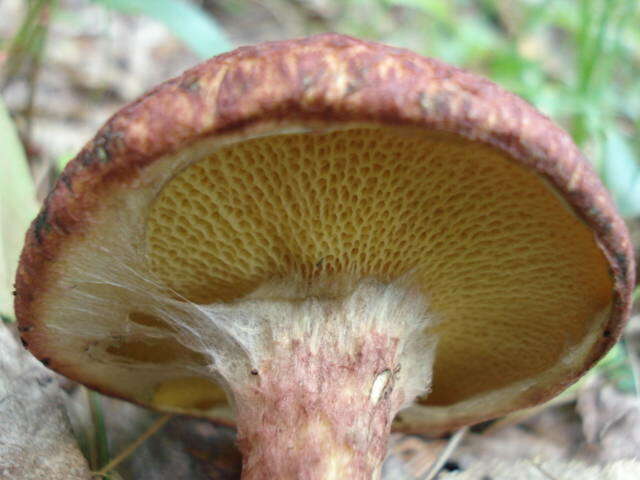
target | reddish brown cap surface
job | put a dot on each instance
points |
(320, 82)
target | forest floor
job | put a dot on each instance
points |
(96, 61)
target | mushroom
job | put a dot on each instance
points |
(322, 232)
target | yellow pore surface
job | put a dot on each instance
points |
(514, 277)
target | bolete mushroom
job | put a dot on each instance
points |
(321, 231)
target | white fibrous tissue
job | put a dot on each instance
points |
(104, 283)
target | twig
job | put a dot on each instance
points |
(155, 426)
(454, 441)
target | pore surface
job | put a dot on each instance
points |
(514, 277)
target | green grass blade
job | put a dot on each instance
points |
(101, 440)
(24, 44)
(190, 23)
(594, 56)
(18, 206)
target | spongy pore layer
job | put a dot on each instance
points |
(513, 276)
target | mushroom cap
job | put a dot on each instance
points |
(342, 156)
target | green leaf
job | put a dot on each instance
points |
(188, 22)
(18, 206)
(621, 172)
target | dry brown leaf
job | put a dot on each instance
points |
(411, 456)
(185, 447)
(36, 441)
(552, 434)
(610, 422)
(549, 470)
(199, 450)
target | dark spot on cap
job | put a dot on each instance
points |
(25, 328)
(254, 371)
(606, 333)
(46, 361)
(25, 344)
(61, 227)
(104, 145)
(594, 211)
(352, 87)
(40, 224)
(66, 179)
(621, 259)
(85, 157)
(190, 84)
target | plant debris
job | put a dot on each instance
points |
(36, 440)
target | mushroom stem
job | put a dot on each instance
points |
(321, 401)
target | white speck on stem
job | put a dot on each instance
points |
(379, 386)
